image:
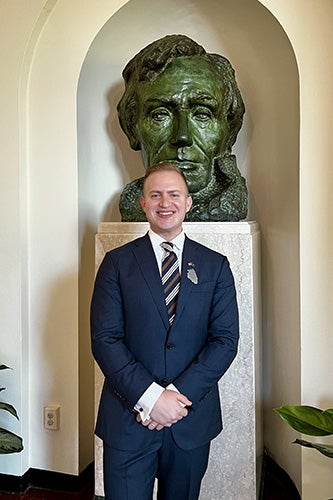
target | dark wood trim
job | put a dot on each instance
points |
(37, 478)
(275, 482)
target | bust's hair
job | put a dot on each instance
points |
(164, 167)
(153, 60)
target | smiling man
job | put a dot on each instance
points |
(164, 329)
(165, 200)
(182, 105)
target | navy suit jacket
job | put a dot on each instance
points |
(134, 345)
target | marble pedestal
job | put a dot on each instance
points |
(235, 459)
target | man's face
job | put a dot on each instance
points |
(165, 202)
(181, 119)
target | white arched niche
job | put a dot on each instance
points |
(267, 153)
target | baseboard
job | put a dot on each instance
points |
(275, 482)
(38, 478)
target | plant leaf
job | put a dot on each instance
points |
(9, 408)
(4, 367)
(325, 449)
(9, 442)
(308, 419)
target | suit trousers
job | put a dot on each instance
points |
(130, 475)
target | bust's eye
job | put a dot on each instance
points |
(203, 114)
(160, 114)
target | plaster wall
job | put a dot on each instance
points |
(312, 42)
(19, 19)
(40, 223)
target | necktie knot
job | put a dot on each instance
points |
(167, 246)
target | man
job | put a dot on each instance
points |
(162, 355)
(182, 105)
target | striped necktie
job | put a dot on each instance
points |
(170, 279)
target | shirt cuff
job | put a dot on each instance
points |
(148, 400)
(172, 387)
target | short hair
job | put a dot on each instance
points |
(152, 60)
(163, 167)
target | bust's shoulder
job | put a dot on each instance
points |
(129, 205)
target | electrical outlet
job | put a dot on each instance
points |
(52, 417)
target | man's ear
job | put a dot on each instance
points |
(189, 203)
(142, 202)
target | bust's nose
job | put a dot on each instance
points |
(181, 133)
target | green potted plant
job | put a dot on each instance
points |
(310, 421)
(9, 442)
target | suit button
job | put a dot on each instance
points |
(165, 382)
(170, 346)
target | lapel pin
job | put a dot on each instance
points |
(192, 275)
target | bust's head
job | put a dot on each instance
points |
(181, 105)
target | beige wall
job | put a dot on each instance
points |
(308, 26)
(44, 210)
(19, 19)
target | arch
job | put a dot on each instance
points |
(271, 171)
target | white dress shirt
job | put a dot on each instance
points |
(151, 395)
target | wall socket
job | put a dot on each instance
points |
(52, 417)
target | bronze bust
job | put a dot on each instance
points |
(182, 105)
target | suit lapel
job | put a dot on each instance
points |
(190, 260)
(146, 259)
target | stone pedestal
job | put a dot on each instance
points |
(235, 459)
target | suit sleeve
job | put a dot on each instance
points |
(221, 346)
(128, 378)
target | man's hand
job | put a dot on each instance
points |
(168, 409)
(151, 424)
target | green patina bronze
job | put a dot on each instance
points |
(183, 106)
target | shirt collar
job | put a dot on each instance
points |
(156, 240)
